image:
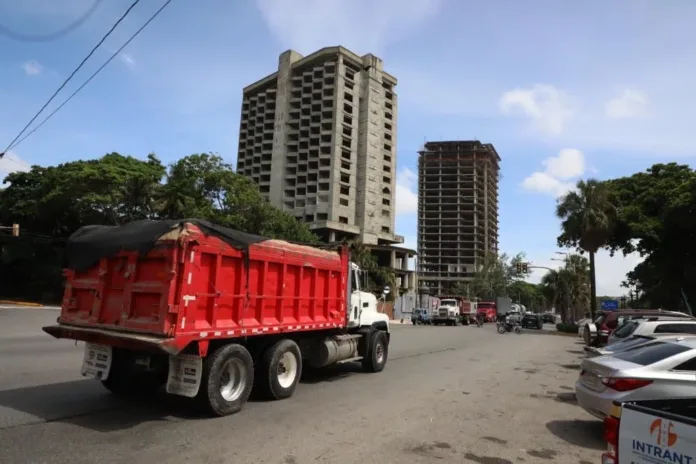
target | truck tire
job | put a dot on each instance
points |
(228, 376)
(377, 352)
(279, 371)
(466, 320)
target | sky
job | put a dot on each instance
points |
(564, 90)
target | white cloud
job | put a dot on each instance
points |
(548, 108)
(406, 197)
(363, 26)
(631, 104)
(127, 59)
(32, 68)
(12, 163)
(611, 271)
(558, 171)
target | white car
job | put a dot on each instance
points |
(652, 325)
(660, 369)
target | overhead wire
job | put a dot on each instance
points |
(6, 31)
(111, 58)
(89, 55)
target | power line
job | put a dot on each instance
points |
(4, 30)
(114, 55)
(94, 49)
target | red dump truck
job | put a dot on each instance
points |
(212, 312)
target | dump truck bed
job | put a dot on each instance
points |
(198, 281)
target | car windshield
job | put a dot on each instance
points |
(650, 353)
(628, 343)
(626, 329)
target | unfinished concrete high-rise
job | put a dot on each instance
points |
(457, 211)
(319, 137)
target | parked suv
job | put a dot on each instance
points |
(597, 333)
(652, 325)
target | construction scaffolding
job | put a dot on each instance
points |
(457, 211)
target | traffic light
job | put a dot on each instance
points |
(518, 267)
(525, 268)
(15, 230)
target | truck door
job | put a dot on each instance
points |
(355, 298)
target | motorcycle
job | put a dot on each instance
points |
(479, 321)
(508, 326)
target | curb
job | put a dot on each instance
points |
(28, 304)
(562, 334)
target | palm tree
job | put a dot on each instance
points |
(587, 215)
(568, 287)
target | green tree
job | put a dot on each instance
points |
(494, 277)
(587, 215)
(378, 276)
(55, 201)
(655, 217)
(568, 288)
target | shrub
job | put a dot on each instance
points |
(567, 327)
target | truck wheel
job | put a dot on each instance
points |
(280, 370)
(377, 353)
(228, 376)
(466, 320)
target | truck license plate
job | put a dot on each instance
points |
(97, 361)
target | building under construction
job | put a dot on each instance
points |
(457, 212)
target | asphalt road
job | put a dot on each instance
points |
(448, 394)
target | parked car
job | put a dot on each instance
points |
(597, 333)
(652, 325)
(626, 343)
(532, 321)
(420, 317)
(660, 369)
(548, 318)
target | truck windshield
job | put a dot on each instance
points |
(448, 303)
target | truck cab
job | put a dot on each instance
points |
(448, 312)
(363, 305)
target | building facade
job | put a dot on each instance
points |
(319, 138)
(457, 212)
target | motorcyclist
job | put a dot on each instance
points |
(480, 318)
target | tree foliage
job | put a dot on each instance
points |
(568, 288)
(651, 212)
(655, 216)
(587, 215)
(55, 201)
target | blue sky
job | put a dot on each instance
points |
(564, 90)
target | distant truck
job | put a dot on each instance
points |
(487, 310)
(454, 310)
(212, 312)
(651, 432)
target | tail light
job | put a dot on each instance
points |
(611, 436)
(623, 385)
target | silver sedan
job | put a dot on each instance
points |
(655, 370)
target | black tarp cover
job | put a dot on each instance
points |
(89, 244)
